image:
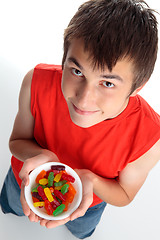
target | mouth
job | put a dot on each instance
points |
(83, 112)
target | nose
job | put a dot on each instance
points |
(86, 96)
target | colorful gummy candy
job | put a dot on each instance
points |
(54, 190)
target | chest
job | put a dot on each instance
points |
(103, 151)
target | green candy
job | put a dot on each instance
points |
(60, 183)
(50, 179)
(35, 188)
(59, 210)
(64, 189)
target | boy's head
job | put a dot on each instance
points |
(113, 30)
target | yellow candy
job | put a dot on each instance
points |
(38, 204)
(43, 181)
(48, 194)
(58, 177)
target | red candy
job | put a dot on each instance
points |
(41, 193)
(68, 177)
(59, 195)
(54, 206)
(48, 207)
(36, 195)
(56, 202)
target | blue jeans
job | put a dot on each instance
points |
(81, 227)
(10, 195)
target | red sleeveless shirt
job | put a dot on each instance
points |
(105, 148)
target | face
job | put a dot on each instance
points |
(93, 96)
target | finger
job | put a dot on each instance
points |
(32, 163)
(23, 174)
(24, 204)
(33, 217)
(76, 170)
(25, 180)
(83, 207)
(36, 218)
(43, 222)
(53, 224)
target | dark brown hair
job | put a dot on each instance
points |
(114, 29)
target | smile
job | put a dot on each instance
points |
(82, 112)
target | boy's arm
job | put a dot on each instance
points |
(22, 144)
(121, 191)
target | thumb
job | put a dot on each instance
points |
(25, 181)
(24, 178)
(24, 174)
(78, 171)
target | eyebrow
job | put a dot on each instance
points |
(106, 76)
(113, 76)
(73, 60)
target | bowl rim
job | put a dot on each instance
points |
(73, 206)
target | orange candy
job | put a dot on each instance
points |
(69, 197)
(71, 188)
(40, 176)
(66, 203)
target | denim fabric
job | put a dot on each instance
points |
(10, 195)
(81, 227)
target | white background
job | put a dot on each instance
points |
(31, 32)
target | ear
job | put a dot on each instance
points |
(137, 90)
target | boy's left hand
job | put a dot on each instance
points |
(87, 199)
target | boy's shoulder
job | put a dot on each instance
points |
(140, 128)
(147, 111)
(45, 76)
(49, 67)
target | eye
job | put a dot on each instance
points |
(77, 72)
(108, 84)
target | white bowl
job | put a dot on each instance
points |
(41, 212)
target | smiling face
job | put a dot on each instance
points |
(93, 95)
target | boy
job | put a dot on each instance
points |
(89, 115)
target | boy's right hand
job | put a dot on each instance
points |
(28, 166)
(27, 211)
